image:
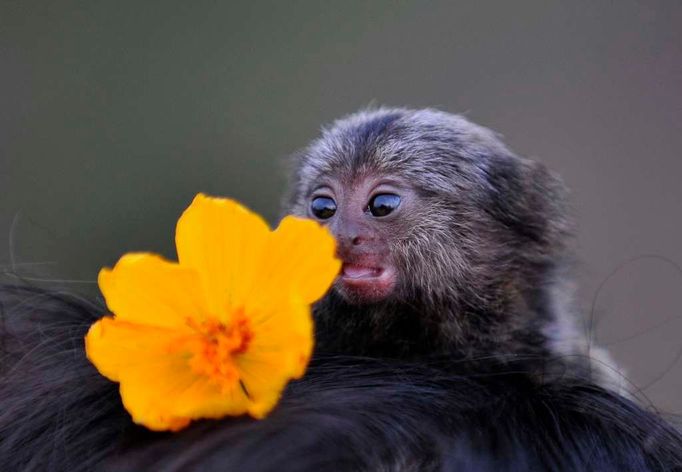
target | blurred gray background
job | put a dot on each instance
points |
(114, 114)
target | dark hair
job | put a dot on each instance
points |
(348, 413)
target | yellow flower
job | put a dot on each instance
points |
(221, 331)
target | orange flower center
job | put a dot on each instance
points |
(216, 346)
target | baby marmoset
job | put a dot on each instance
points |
(451, 245)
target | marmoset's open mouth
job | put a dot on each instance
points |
(358, 272)
(366, 281)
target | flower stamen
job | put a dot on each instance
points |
(215, 346)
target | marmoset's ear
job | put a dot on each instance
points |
(531, 202)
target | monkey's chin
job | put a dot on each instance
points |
(363, 285)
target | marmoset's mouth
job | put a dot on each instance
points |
(357, 272)
(366, 281)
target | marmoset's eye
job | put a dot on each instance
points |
(383, 204)
(323, 207)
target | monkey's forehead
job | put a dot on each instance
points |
(404, 128)
(430, 148)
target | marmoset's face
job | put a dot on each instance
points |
(368, 217)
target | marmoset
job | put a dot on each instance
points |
(451, 244)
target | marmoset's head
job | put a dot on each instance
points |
(428, 206)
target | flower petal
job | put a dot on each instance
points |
(144, 288)
(301, 262)
(225, 243)
(204, 399)
(173, 392)
(278, 352)
(158, 387)
(113, 345)
(302, 256)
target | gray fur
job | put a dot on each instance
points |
(485, 262)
